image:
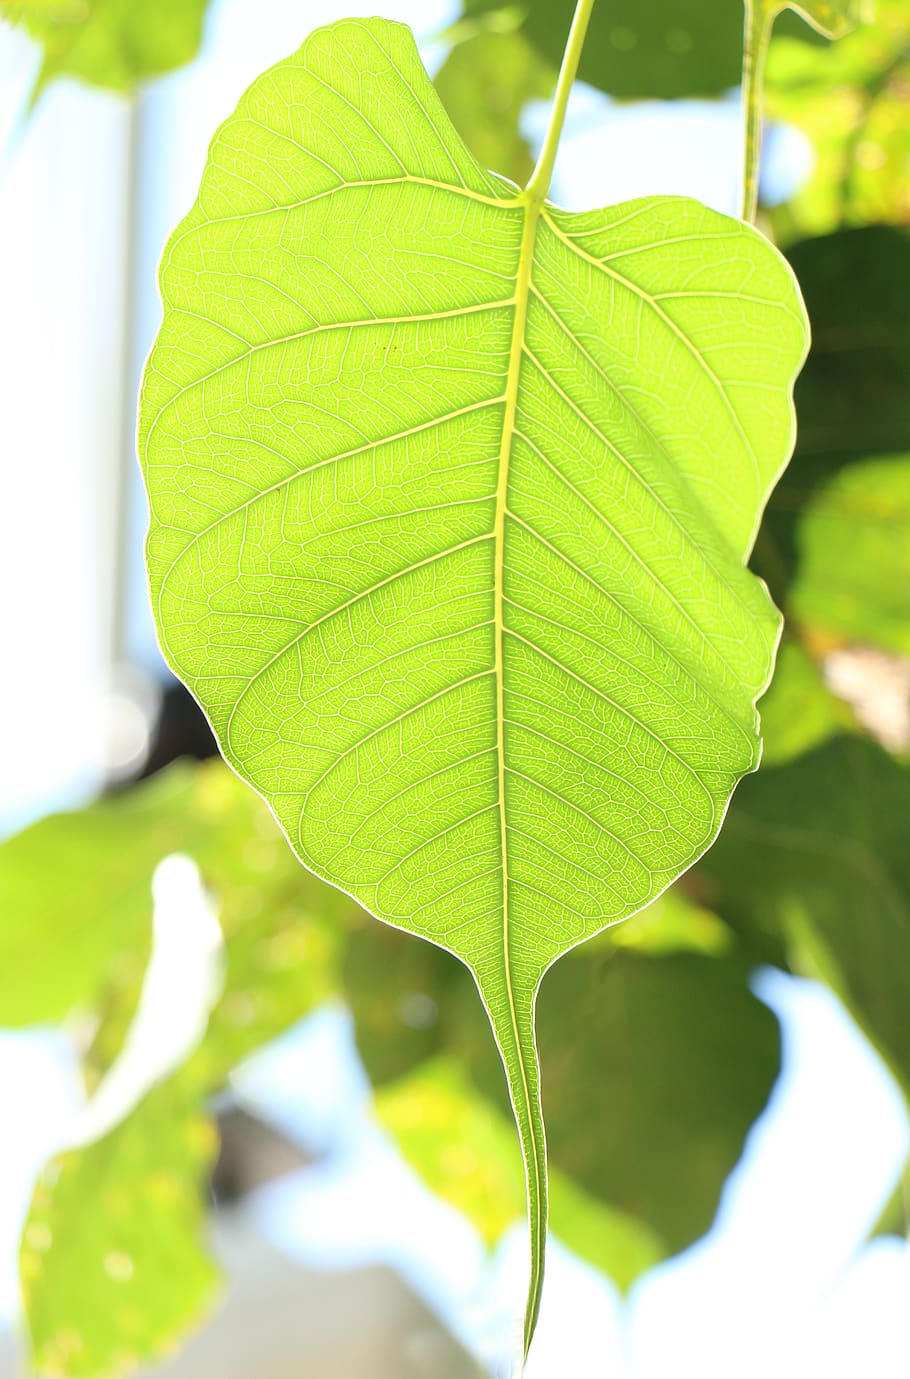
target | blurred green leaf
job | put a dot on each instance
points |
(851, 101)
(484, 85)
(683, 1059)
(673, 923)
(799, 711)
(853, 578)
(834, 18)
(665, 49)
(114, 44)
(463, 1146)
(399, 993)
(647, 1113)
(113, 1262)
(835, 541)
(76, 896)
(816, 852)
(854, 392)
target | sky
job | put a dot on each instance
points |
(784, 1285)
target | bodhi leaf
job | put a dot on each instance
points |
(450, 496)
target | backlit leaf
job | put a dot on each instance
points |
(451, 492)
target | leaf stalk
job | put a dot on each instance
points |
(539, 184)
(759, 19)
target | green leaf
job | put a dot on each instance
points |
(648, 1111)
(799, 712)
(114, 44)
(63, 925)
(835, 544)
(113, 1262)
(484, 84)
(103, 1292)
(816, 851)
(850, 101)
(450, 496)
(462, 1145)
(665, 49)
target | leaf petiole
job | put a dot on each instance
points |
(539, 184)
(759, 20)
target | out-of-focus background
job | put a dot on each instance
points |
(248, 1132)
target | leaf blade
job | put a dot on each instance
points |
(436, 481)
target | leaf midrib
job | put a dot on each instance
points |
(532, 207)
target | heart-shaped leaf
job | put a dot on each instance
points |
(451, 492)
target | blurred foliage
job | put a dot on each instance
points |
(852, 101)
(835, 542)
(683, 1058)
(114, 44)
(664, 49)
(814, 854)
(113, 1263)
(484, 84)
(854, 570)
(682, 1054)
(463, 1146)
(128, 1209)
(69, 922)
(799, 711)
